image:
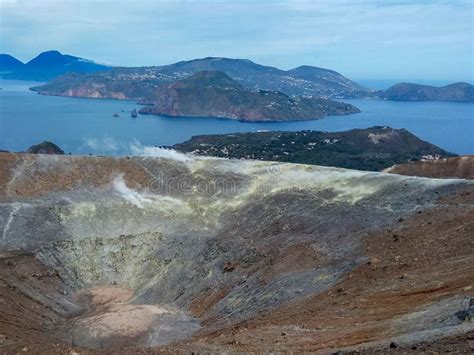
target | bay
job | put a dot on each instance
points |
(87, 126)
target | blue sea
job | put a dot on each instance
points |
(83, 126)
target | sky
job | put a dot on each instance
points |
(367, 39)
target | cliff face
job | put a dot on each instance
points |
(241, 254)
(215, 94)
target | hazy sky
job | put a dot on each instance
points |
(367, 39)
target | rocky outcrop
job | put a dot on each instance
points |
(468, 313)
(214, 94)
(44, 148)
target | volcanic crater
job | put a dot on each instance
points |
(201, 254)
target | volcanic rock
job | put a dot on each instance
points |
(44, 148)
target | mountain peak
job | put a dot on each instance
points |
(309, 69)
(47, 65)
(460, 84)
(8, 62)
(222, 59)
(52, 52)
(50, 58)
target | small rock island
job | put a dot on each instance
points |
(45, 147)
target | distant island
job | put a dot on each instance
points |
(45, 147)
(46, 66)
(79, 77)
(139, 83)
(374, 148)
(215, 94)
(462, 92)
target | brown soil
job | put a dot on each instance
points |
(79, 171)
(459, 344)
(458, 167)
(30, 304)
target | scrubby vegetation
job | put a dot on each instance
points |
(374, 148)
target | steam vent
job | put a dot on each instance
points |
(209, 255)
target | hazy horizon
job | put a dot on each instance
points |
(390, 40)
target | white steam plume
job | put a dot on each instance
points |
(148, 151)
(134, 197)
